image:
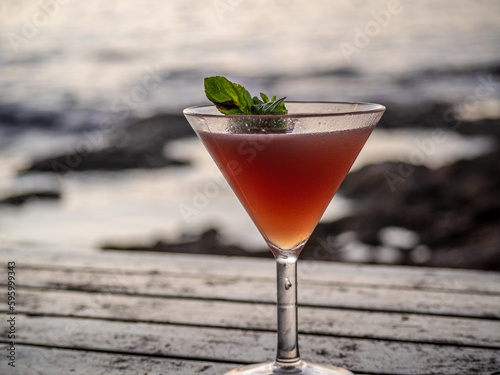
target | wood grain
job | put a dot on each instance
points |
(83, 311)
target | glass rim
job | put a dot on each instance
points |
(373, 108)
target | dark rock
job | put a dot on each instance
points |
(155, 132)
(435, 115)
(108, 159)
(207, 243)
(424, 115)
(138, 145)
(13, 116)
(495, 70)
(455, 210)
(20, 199)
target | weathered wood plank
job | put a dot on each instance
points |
(47, 361)
(187, 264)
(241, 288)
(201, 305)
(410, 327)
(360, 355)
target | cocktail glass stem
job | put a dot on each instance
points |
(288, 344)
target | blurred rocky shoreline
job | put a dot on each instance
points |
(448, 217)
(144, 143)
(403, 214)
(411, 215)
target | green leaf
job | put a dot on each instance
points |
(233, 99)
(230, 98)
(256, 100)
(275, 107)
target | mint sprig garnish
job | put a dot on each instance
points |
(268, 107)
(233, 99)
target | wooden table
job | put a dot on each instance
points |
(91, 312)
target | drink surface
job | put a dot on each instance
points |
(285, 181)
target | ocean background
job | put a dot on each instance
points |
(68, 67)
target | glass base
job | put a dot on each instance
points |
(301, 368)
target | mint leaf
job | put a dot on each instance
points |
(265, 98)
(229, 98)
(275, 107)
(233, 99)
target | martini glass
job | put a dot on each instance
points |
(285, 170)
